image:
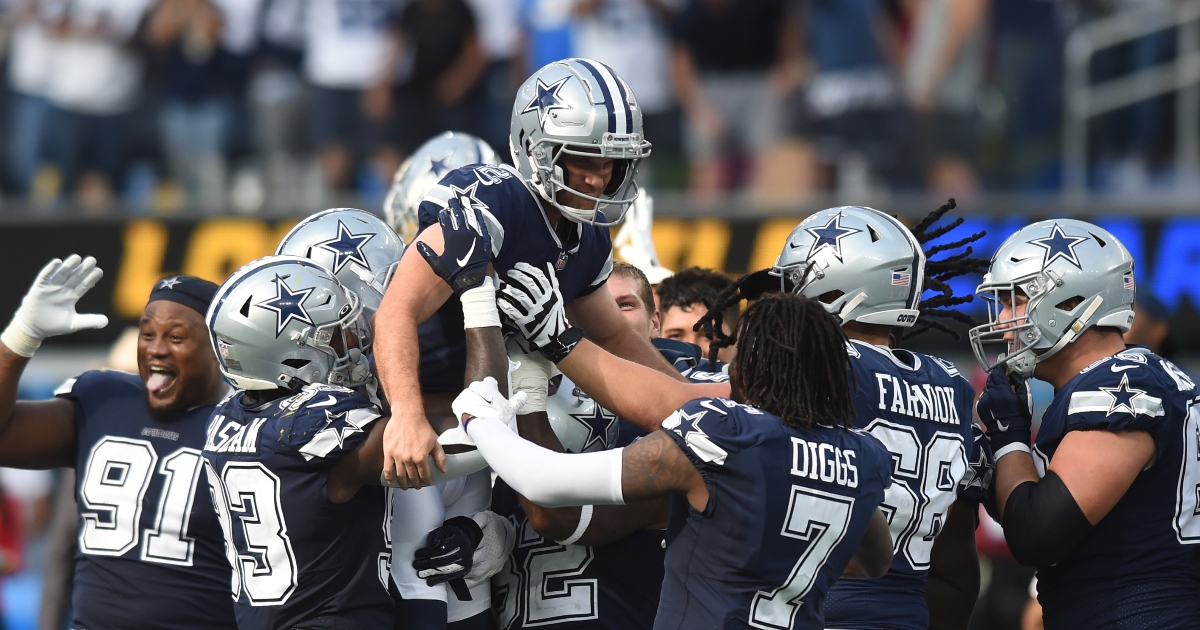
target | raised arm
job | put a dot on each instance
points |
(602, 323)
(42, 434)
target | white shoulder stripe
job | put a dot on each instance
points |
(1141, 404)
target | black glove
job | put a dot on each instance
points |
(1006, 408)
(448, 554)
(464, 260)
(530, 300)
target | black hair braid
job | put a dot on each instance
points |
(939, 272)
(792, 362)
(713, 322)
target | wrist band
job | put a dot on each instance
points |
(479, 306)
(20, 342)
(585, 519)
(1015, 447)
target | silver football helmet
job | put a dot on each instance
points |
(286, 322)
(580, 424)
(425, 168)
(1075, 275)
(578, 107)
(875, 263)
(354, 245)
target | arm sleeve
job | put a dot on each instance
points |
(544, 477)
(1042, 522)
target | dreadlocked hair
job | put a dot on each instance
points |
(939, 272)
(792, 362)
(713, 322)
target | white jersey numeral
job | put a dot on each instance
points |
(268, 569)
(1187, 503)
(112, 493)
(551, 583)
(819, 519)
(925, 479)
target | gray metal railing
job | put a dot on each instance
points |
(1084, 100)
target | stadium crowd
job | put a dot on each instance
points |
(219, 104)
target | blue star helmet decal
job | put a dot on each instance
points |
(829, 236)
(347, 248)
(438, 166)
(288, 305)
(547, 100)
(601, 426)
(1059, 245)
(1122, 397)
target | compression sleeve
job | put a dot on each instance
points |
(544, 477)
(1042, 522)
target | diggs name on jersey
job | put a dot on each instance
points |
(824, 461)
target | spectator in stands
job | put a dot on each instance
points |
(848, 107)
(630, 37)
(733, 62)
(204, 47)
(440, 93)
(94, 85)
(685, 297)
(943, 73)
(30, 56)
(347, 48)
(547, 26)
(500, 36)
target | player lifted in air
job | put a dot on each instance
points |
(772, 492)
(576, 140)
(150, 548)
(1106, 504)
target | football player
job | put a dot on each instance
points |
(150, 549)
(614, 554)
(781, 450)
(362, 252)
(1105, 504)
(422, 171)
(294, 456)
(576, 140)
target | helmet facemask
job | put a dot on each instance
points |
(348, 341)
(622, 190)
(1046, 326)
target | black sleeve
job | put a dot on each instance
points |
(1042, 522)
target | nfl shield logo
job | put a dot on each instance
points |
(562, 261)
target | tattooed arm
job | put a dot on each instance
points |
(655, 466)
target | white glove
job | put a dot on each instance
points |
(499, 537)
(482, 399)
(531, 300)
(48, 309)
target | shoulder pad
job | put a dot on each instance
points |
(684, 356)
(102, 382)
(708, 429)
(1115, 396)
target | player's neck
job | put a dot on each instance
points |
(1091, 346)
(553, 215)
(869, 333)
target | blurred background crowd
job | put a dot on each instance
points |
(152, 106)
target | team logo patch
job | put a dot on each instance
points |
(1059, 245)
(288, 305)
(169, 283)
(346, 248)
(829, 236)
(547, 100)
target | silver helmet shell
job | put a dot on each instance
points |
(286, 322)
(357, 247)
(1050, 263)
(870, 257)
(578, 107)
(425, 168)
(582, 426)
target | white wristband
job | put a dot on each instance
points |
(585, 519)
(479, 306)
(1015, 447)
(20, 342)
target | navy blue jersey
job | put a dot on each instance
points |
(920, 408)
(301, 559)
(520, 233)
(150, 550)
(614, 586)
(1139, 567)
(787, 508)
